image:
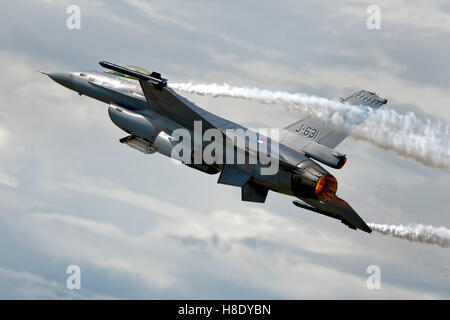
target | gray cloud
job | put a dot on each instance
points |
(79, 197)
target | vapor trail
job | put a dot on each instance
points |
(415, 233)
(425, 141)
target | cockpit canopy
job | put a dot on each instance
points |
(135, 68)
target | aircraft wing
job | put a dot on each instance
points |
(314, 130)
(336, 208)
(167, 102)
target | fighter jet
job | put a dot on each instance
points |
(150, 112)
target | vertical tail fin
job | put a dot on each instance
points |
(366, 98)
(314, 130)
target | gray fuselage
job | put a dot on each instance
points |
(124, 93)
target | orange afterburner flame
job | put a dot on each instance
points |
(326, 187)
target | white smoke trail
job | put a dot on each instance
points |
(415, 233)
(425, 141)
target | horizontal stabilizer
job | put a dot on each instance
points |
(335, 208)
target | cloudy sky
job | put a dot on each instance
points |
(141, 227)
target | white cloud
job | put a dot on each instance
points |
(182, 235)
(26, 276)
(225, 237)
(8, 180)
(157, 11)
(424, 15)
(4, 137)
(27, 285)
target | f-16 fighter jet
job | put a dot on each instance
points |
(157, 119)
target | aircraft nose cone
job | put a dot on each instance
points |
(62, 78)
